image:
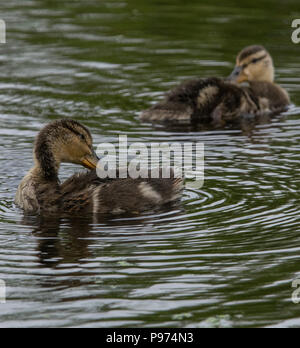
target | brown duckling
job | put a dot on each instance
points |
(68, 141)
(250, 89)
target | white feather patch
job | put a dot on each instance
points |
(148, 192)
(96, 200)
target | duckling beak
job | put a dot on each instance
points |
(90, 161)
(237, 75)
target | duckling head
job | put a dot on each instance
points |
(64, 141)
(254, 63)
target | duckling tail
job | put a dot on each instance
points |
(168, 111)
(178, 185)
(168, 190)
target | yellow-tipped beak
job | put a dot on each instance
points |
(237, 75)
(90, 161)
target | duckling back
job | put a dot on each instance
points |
(216, 101)
(202, 101)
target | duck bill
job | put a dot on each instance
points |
(91, 161)
(237, 75)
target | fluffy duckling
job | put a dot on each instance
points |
(250, 89)
(40, 192)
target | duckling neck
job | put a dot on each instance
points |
(46, 166)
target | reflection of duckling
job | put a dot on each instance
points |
(69, 141)
(224, 101)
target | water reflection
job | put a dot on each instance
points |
(60, 241)
(247, 125)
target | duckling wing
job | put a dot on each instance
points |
(272, 98)
(136, 195)
(193, 100)
(77, 192)
(86, 192)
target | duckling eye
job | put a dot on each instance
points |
(82, 137)
(255, 60)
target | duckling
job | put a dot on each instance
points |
(68, 141)
(249, 90)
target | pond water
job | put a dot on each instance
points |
(227, 257)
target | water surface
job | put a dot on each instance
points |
(229, 255)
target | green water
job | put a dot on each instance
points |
(229, 255)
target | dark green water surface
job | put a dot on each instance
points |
(229, 256)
